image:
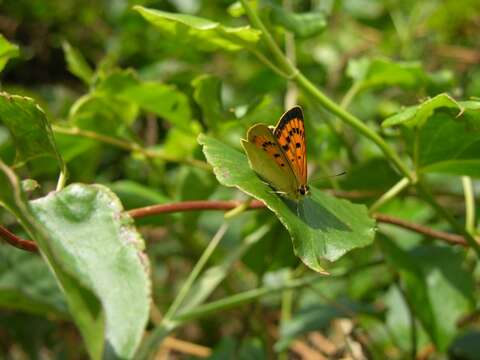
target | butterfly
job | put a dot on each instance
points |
(278, 154)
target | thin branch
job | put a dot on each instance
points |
(468, 190)
(17, 242)
(197, 205)
(129, 146)
(453, 239)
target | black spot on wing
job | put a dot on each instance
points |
(294, 113)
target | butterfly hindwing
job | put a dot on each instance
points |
(290, 135)
(268, 160)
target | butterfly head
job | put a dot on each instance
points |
(303, 189)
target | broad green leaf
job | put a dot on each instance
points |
(27, 284)
(161, 99)
(29, 128)
(439, 289)
(84, 305)
(77, 64)
(383, 73)
(203, 33)
(301, 24)
(447, 135)
(96, 256)
(102, 247)
(321, 227)
(7, 51)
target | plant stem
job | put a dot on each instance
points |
(423, 190)
(62, 179)
(355, 123)
(197, 269)
(324, 100)
(243, 298)
(129, 146)
(469, 204)
(390, 194)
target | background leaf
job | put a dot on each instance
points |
(77, 64)
(7, 51)
(203, 33)
(439, 290)
(29, 128)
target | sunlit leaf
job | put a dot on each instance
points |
(29, 128)
(7, 51)
(96, 256)
(103, 249)
(77, 64)
(447, 135)
(321, 227)
(203, 33)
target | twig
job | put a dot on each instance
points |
(193, 205)
(186, 347)
(129, 146)
(453, 239)
(17, 242)
(28, 245)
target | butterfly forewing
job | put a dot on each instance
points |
(290, 135)
(262, 147)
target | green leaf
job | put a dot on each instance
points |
(303, 25)
(161, 99)
(7, 51)
(88, 229)
(27, 284)
(417, 115)
(377, 73)
(439, 290)
(29, 128)
(447, 135)
(325, 227)
(84, 306)
(77, 64)
(95, 254)
(203, 33)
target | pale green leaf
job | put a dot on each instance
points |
(77, 64)
(29, 128)
(7, 51)
(203, 33)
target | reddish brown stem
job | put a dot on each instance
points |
(448, 237)
(197, 205)
(17, 242)
(194, 205)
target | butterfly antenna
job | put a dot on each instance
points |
(327, 177)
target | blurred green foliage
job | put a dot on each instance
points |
(118, 92)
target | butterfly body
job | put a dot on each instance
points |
(278, 154)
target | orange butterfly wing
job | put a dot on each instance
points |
(290, 135)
